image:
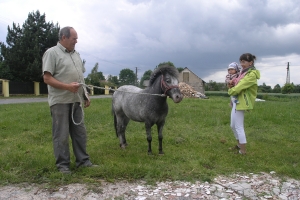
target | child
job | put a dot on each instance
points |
(233, 73)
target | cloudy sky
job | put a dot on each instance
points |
(203, 35)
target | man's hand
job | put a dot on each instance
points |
(87, 103)
(73, 87)
(50, 80)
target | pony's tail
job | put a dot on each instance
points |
(115, 120)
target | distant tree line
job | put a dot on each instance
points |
(286, 89)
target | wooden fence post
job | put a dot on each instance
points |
(36, 88)
(106, 90)
(5, 87)
(92, 90)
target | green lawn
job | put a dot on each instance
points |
(197, 138)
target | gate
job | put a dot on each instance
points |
(16, 87)
(43, 88)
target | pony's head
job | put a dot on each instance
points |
(168, 82)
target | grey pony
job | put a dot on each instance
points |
(147, 105)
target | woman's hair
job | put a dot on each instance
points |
(64, 31)
(248, 57)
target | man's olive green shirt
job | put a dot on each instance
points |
(65, 67)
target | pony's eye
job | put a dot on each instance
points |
(168, 81)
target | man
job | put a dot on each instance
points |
(62, 72)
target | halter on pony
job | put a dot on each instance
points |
(163, 83)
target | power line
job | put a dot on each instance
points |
(107, 61)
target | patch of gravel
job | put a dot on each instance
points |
(251, 186)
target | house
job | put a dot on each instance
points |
(190, 78)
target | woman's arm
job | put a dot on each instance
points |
(246, 82)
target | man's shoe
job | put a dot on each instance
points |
(65, 170)
(94, 165)
(88, 164)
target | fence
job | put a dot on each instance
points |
(37, 88)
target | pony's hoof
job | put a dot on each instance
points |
(150, 153)
(123, 146)
(161, 153)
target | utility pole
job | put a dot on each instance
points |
(288, 73)
(136, 76)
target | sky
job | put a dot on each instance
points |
(202, 35)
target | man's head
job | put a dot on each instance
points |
(68, 38)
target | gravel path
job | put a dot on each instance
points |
(252, 186)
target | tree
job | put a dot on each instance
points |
(113, 80)
(146, 76)
(4, 70)
(297, 89)
(287, 88)
(222, 86)
(212, 86)
(127, 77)
(95, 78)
(264, 88)
(277, 89)
(25, 47)
(180, 69)
(166, 63)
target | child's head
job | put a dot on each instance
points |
(233, 68)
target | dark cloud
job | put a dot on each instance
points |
(204, 36)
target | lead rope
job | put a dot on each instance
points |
(80, 99)
(80, 105)
(90, 87)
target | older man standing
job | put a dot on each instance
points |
(63, 71)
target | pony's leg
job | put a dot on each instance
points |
(122, 124)
(149, 136)
(160, 136)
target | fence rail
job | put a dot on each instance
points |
(16, 88)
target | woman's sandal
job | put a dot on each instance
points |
(236, 147)
(241, 153)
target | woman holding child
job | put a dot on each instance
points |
(245, 88)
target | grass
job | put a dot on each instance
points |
(197, 138)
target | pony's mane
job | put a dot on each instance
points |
(163, 70)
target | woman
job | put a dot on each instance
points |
(245, 88)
